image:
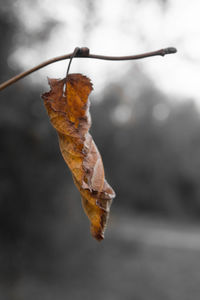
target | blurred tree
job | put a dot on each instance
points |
(153, 155)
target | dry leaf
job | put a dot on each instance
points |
(67, 105)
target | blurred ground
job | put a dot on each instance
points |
(141, 258)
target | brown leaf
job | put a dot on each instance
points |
(67, 105)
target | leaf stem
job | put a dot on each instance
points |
(84, 53)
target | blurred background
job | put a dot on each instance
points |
(146, 123)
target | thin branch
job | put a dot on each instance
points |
(84, 53)
(76, 50)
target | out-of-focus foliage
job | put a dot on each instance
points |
(151, 145)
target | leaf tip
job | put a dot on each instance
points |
(99, 236)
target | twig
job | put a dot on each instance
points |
(84, 53)
(76, 50)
